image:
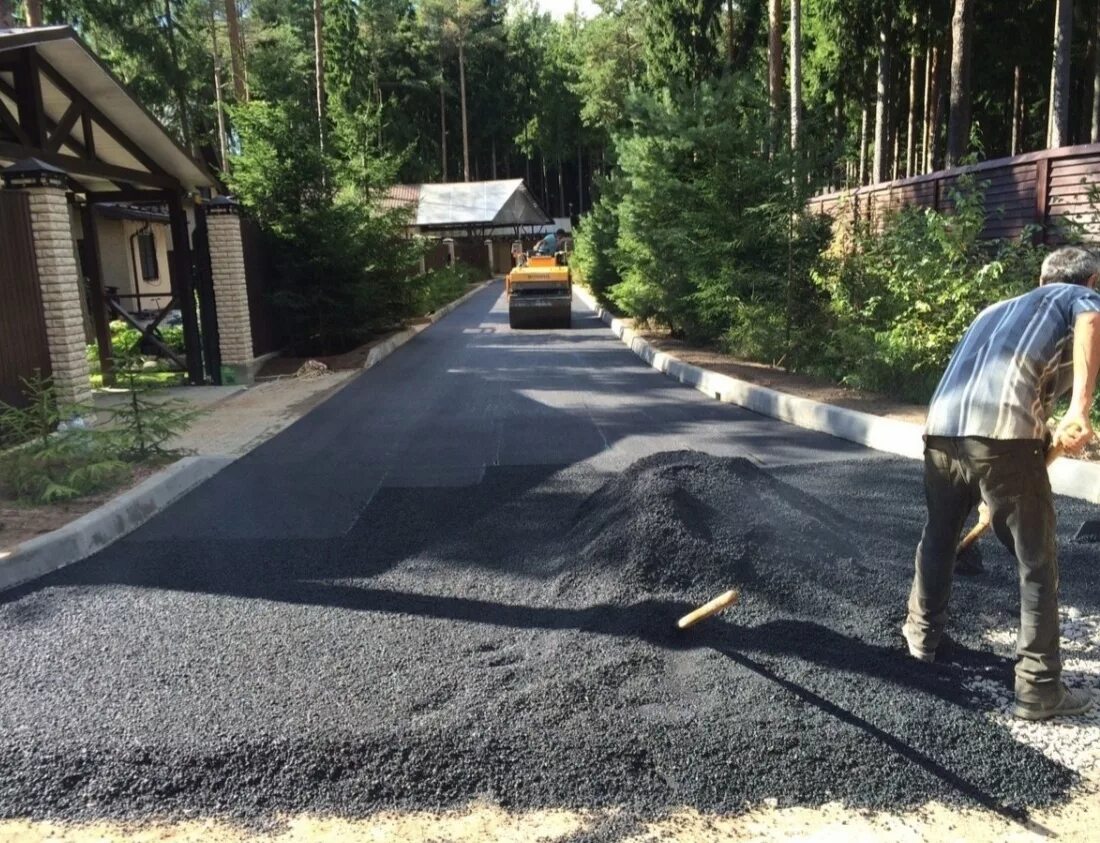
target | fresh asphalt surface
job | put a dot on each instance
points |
(444, 584)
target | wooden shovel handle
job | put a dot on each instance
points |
(715, 606)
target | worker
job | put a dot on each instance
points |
(986, 437)
(548, 245)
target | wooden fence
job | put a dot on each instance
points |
(23, 344)
(1044, 190)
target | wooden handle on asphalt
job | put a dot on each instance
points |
(722, 601)
(984, 519)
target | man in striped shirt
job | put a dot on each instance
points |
(986, 438)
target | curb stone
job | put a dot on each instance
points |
(1074, 478)
(106, 524)
(384, 349)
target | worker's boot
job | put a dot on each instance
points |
(1066, 702)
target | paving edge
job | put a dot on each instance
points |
(387, 347)
(106, 524)
(1074, 478)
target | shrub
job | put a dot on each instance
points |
(594, 257)
(900, 299)
(441, 286)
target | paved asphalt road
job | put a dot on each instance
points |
(354, 615)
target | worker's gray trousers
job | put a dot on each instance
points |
(1011, 476)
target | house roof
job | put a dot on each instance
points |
(475, 203)
(137, 213)
(97, 131)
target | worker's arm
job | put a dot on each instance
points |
(1075, 429)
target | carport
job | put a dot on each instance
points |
(72, 137)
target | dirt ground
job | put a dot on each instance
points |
(481, 823)
(20, 523)
(772, 377)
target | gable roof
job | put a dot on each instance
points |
(127, 144)
(476, 203)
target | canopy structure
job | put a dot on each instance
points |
(476, 205)
(60, 105)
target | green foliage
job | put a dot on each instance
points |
(594, 259)
(142, 425)
(442, 286)
(703, 221)
(51, 455)
(900, 299)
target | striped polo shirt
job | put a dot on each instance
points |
(1013, 362)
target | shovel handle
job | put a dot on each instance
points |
(715, 606)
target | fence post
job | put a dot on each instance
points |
(1042, 195)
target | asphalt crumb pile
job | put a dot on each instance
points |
(513, 642)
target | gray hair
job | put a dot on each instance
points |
(1069, 265)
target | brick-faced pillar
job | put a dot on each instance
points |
(58, 276)
(223, 223)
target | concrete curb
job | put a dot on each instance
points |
(387, 347)
(1073, 478)
(108, 523)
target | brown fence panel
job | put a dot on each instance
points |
(1052, 189)
(261, 273)
(23, 345)
(474, 253)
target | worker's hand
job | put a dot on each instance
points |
(1074, 432)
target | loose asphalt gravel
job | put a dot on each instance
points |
(458, 579)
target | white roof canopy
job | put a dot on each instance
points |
(477, 203)
(61, 105)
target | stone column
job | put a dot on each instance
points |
(230, 283)
(492, 257)
(58, 276)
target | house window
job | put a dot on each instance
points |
(147, 253)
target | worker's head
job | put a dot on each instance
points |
(1070, 265)
(560, 233)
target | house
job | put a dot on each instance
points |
(474, 222)
(104, 215)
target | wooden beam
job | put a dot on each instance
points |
(7, 89)
(83, 167)
(9, 120)
(93, 268)
(28, 96)
(120, 137)
(128, 194)
(89, 136)
(63, 130)
(183, 287)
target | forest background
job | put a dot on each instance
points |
(685, 135)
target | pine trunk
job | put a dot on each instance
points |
(926, 115)
(561, 191)
(177, 82)
(775, 69)
(1094, 135)
(462, 93)
(958, 124)
(731, 44)
(580, 181)
(796, 74)
(34, 12)
(880, 166)
(443, 126)
(863, 146)
(1058, 119)
(911, 122)
(236, 51)
(216, 52)
(7, 15)
(1017, 107)
(936, 109)
(493, 147)
(319, 68)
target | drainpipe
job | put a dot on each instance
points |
(133, 262)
